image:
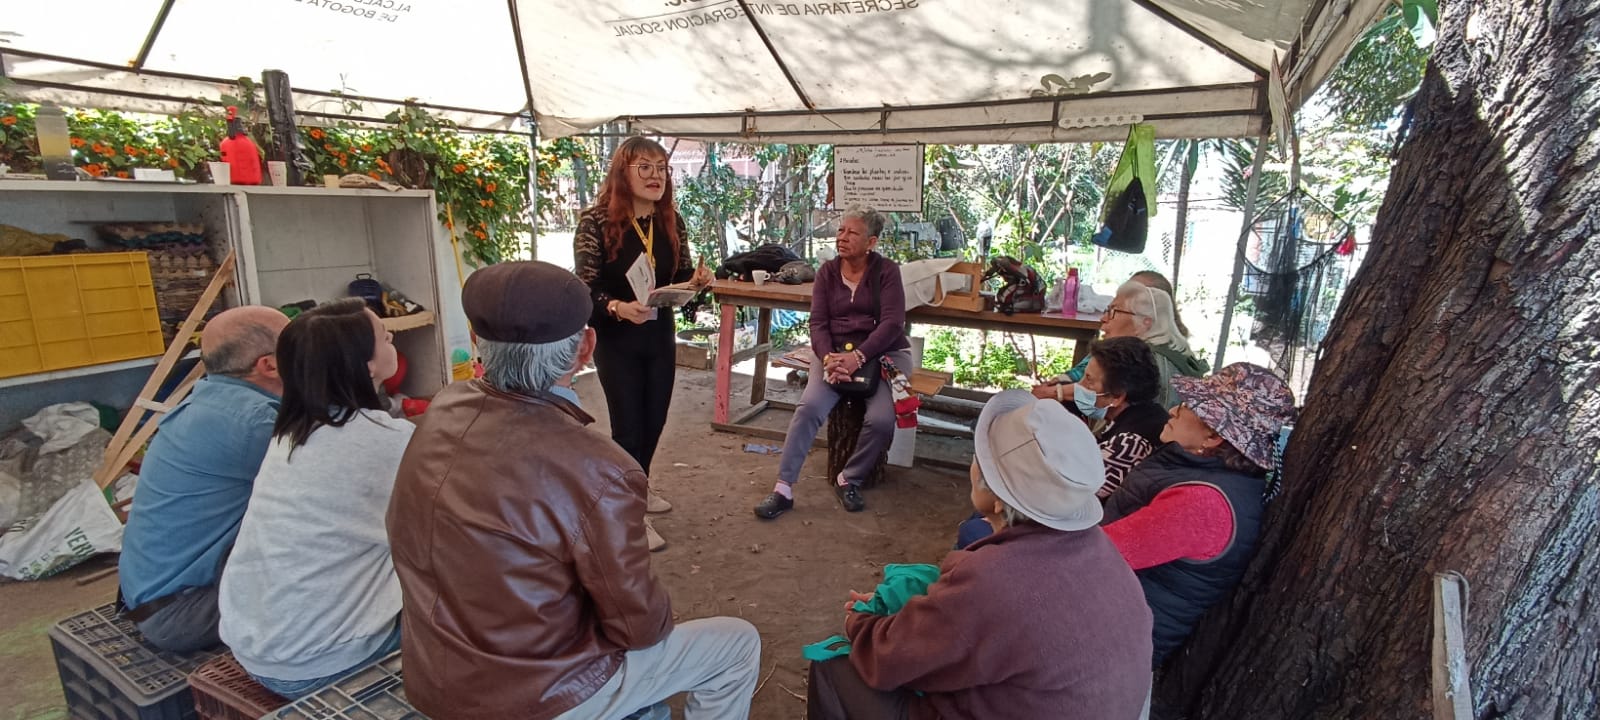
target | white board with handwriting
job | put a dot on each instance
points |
(882, 177)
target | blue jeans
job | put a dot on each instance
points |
(877, 429)
(296, 689)
(972, 530)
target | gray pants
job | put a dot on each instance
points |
(815, 404)
(715, 660)
(186, 624)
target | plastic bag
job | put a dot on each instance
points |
(77, 527)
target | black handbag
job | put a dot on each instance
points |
(865, 381)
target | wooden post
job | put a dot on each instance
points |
(758, 384)
(725, 362)
(280, 113)
(1452, 691)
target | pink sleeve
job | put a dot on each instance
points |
(1187, 522)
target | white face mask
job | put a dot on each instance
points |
(1085, 399)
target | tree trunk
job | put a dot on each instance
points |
(1185, 179)
(1450, 425)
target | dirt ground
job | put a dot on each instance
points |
(790, 577)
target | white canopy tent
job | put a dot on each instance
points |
(855, 72)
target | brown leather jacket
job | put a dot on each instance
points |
(518, 535)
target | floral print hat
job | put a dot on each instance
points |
(1246, 404)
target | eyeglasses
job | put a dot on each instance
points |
(648, 170)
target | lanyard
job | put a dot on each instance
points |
(649, 239)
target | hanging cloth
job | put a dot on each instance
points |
(1131, 195)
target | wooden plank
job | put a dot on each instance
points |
(757, 350)
(724, 364)
(129, 449)
(758, 384)
(752, 431)
(105, 473)
(1452, 691)
(750, 413)
(782, 405)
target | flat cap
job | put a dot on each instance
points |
(526, 302)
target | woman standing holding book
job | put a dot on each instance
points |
(630, 242)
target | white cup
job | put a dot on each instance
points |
(221, 173)
(760, 276)
(278, 170)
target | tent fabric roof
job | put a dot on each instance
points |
(855, 72)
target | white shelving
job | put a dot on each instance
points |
(292, 244)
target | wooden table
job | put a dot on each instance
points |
(733, 294)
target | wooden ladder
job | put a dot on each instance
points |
(141, 421)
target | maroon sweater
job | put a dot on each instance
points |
(1027, 623)
(834, 313)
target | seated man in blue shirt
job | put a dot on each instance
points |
(195, 482)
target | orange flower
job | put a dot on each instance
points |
(317, 134)
(122, 173)
(480, 182)
(480, 234)
(172, 162)
(490, 187)
(385, 165)
(8, 120)
(328, 147)
(459, 168)
(111, 152)
(129, 149)
(78, 142)
(97, 147)
(343, 163)
(95, 169)
(367, 147)
(162, 152)
(374, 175)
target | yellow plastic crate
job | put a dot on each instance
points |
(67, 311)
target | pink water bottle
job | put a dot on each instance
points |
(1069, 294)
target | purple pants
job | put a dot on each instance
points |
(815, 404)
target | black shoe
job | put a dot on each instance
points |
(850, 498)
(775, 504)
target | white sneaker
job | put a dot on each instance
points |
(654, 538)
(654, 503)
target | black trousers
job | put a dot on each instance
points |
(837, 692)
(637, 365)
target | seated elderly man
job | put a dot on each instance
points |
(1042, 619)
(518, 535)
(196, 479)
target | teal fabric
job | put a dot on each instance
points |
(900, 584)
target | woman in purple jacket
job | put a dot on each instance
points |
(858, 316)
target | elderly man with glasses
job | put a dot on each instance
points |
(195, 482)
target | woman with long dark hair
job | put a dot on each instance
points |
(309, 592)
(634, 227)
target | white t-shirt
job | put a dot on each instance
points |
(309, 590)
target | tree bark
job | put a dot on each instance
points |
(1451, 422)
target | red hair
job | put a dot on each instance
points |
(617, 199)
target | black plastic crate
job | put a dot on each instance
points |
(109, 672)
(374, 692)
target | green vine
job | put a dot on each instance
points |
(481, 181)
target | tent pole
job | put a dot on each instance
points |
(522, 62)
(150, 39)
(1244, 241)
(533, 189)
(772, 50)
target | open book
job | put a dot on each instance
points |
(673, 295)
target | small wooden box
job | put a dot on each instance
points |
(969, 299)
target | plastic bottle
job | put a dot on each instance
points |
(1069, 294)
